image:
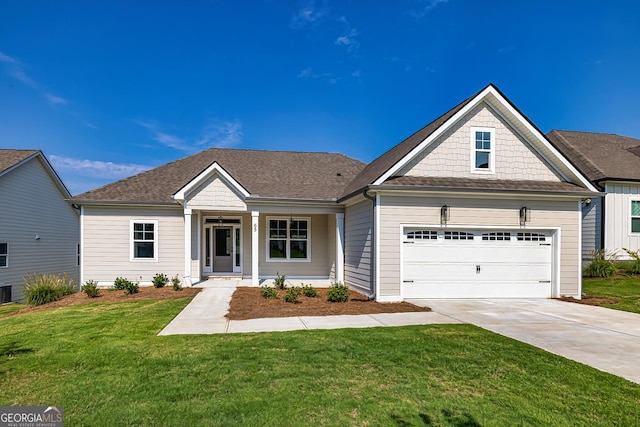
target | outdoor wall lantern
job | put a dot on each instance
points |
(445, 214)
(525, 214)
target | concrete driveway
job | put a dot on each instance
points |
(605, 339)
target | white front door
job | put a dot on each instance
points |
(476, 264)
(222, 249)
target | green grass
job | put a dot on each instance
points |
(626, 290)
(106, 366)
(10, 308)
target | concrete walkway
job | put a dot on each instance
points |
(205, 315)
(606, 339)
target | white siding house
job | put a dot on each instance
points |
(39, 230)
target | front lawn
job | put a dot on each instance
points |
(624, 290)
(106, 366)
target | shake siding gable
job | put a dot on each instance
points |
(399, 210)
(107, 243)
(215, 192)
(36, 206)
(450, 155)
(358, 246)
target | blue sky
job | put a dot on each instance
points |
(108, 89)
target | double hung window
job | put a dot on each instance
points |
(289, 239)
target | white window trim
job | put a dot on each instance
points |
(155, 240)
(288, 259)
(6, 255)
(492, 151)
(629, 210)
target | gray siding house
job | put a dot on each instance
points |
(478, 203)
(39, 230)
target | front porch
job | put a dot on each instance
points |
(252, 247)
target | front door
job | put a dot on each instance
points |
(222, 250)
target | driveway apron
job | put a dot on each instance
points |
(606, 339)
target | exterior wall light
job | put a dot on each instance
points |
(525, 214)
(445, 214)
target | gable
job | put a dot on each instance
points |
(216, 193)
(451, 154)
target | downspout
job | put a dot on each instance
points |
(372, 254)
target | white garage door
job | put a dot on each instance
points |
(476, 264)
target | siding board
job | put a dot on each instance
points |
(358, 246)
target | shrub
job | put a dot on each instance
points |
(292, 294)
(120, 284)
(309, 291)
(175, 282)
(601, 265)
(43, 288)
(160, 280)
(269, 292)
(278, 282)
(90, 288)
(131, 288)
(338, 292)
(634, 266)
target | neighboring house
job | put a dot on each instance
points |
(612, 164)
(39, 230)
(476, 204)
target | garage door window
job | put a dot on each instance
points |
(496, 236)
(457, 235)
(531, 237)
(422, 235)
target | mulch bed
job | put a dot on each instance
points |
(591, 300)
(247, 303)
(110, 295)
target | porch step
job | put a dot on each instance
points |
(229, 277)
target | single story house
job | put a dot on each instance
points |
(478, 203)
(39, 230)
(612, 164)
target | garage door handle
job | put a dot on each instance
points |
(407, 281)
(409, 242)
(544, 281)
(545, 244)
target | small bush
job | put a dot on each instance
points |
(175, 282)
(43, 288)
(338, 292)
(601, 265)
(279, 281)
(120, 284)
(131, 288)
(634, 266)
(309, 291)
(160, 280)
(292, 294)
(90, 288)
(269, 292)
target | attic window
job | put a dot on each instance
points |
(482, 150)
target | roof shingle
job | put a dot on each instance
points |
(10, 158)
(264, 174)
(600, 156)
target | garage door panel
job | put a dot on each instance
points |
(505, 266)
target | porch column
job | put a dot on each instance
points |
(255, 277)
(340, 247)
(187, 247)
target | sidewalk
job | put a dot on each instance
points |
(205, 315)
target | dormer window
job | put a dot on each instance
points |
(482, 150)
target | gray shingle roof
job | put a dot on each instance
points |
(600, 156)
(10, 158)
(484, 184)
(265, 174)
